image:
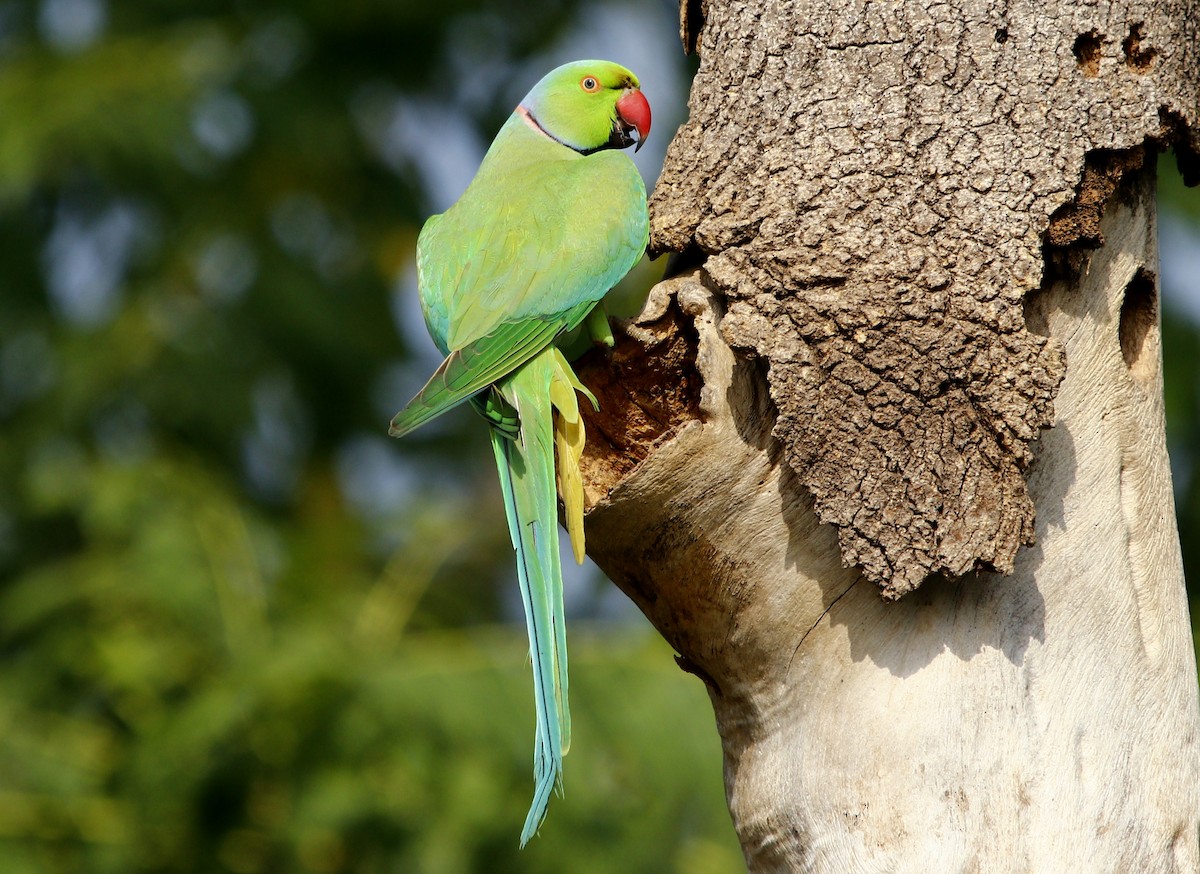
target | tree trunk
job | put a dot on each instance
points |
(912, 241)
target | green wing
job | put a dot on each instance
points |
(467, 371)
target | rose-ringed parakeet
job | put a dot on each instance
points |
(553, 219)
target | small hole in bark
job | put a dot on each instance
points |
(1187, 157)
(1139, 314)
(1036, 319)
(1087, 52)
(1136, 58)
(1002, 35)
(681, 262)
(691, 20)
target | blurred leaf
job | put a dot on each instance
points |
(124, 101)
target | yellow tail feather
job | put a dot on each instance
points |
(569, 438)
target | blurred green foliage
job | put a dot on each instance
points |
(240, 629)
(163, 711)
(1181, 338)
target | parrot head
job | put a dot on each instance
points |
(589, 106)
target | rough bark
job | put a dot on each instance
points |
(872, 188)
(917, 239)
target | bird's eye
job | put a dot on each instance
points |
(589, 84)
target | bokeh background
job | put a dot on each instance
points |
(240, 629)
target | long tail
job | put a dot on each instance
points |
(526, 467)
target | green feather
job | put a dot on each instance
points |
(526, 468)
(465, 372)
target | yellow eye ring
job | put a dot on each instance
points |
(589, 84)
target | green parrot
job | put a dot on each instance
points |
(553, 219)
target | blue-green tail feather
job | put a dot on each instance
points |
(526, 468)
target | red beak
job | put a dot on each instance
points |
(633, 112)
